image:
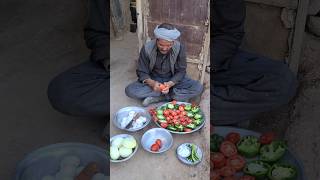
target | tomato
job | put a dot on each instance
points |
(164, 125)
(176, 122)
(159, 142)
(155, 147)
(187, 130)
(171, 117)
(215, 175)
(189, 121)
(178, 112)
(173, 113)
(174, 102)
(227, 171)
(175, 117)
(166, 113)
(247, 177)
(230, 178)
(162, 87)
(267, 138)
(218, 159)
(233, 137)
(237, 162)
(184, 113)
(228, 149)
(168, 119)
(181, 108)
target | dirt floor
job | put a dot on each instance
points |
(162, 166)
(39, 39)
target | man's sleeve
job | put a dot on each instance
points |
(143, 71)
(180, 66)
(228, 31)
(96, 30)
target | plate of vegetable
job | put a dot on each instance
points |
(248, 155)
(178, 117)
(189, 153)
(122, 147)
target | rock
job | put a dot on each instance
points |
(314, 25)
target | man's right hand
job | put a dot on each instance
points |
(155, 85)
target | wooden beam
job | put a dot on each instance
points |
(139, 22)
(298, 36)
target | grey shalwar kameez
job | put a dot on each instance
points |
(243, 84)
(163, 68)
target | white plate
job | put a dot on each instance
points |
(185, 160)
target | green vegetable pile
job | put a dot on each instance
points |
(194, 155)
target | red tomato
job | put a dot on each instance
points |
(237, 162)
(174, 102)
(181, 108)
(227, 171)
(247, 177)
(178, 112)
(189, 121)
(155, 147)
(233, 137)
(267, 138)
(187, 130)
(215, 175)
(171, 117)
(176, 122)
(218, 159)
(164, 125)
(173, 113)
(184, 113)
(228, 149)
(159, 142)
(162, 87)
(175, 117)
(166, 113)
(230, 178)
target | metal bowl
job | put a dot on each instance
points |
(124, 113)
(124, 136)
(185, 160)
(46, 160)
(152, 135)
(289, 157)
(194, 130)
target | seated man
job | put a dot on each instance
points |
(244, 84)
(84, 90)
(161, 70)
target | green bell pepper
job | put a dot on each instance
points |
(160, 116)
(170, 106)
(195, 109)
(159, 112)
(197, 116)
(190, 114)
(172, 128)
(256, 168)
(282, 172)
(179, 127)
(191, 126)
(273, 152)
(188, 107)
(248, 146)
(215, 142)
(197, 122)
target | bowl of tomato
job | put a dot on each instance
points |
(156, 140)
(178, 117)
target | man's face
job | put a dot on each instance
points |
(164, 46)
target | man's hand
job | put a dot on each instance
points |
(168, 85)
(155, 85)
